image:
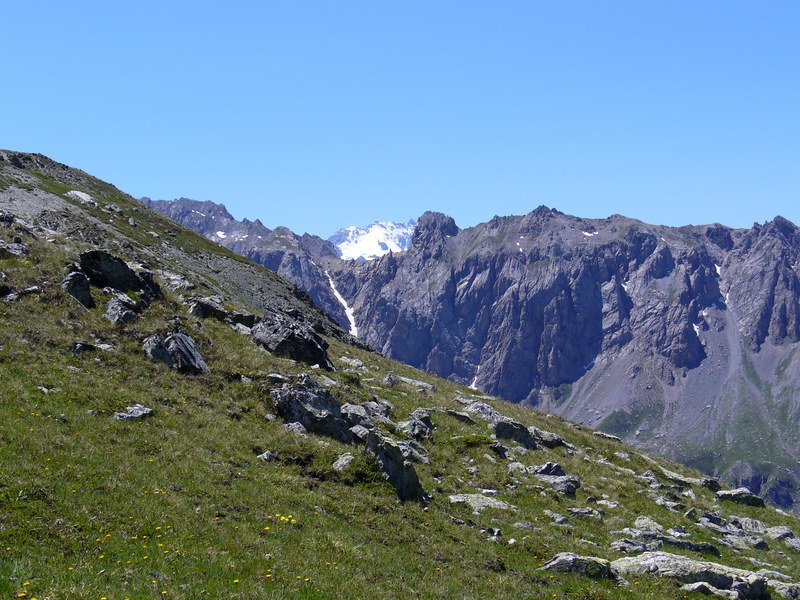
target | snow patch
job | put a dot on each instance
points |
(718, 269)
(222, 234)
(589, 233)
(381, 237)
(696, 328)
(347, 310)
(197, 212)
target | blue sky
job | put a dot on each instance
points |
(318, 115)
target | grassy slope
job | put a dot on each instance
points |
(179, 506)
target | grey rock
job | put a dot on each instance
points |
(395, 466)
(701, 587)
(549, 468)
(779, 532)
(314, 407)
(508, 429)
(186, 357)
(121, 309)
(588, 566)
(137, 411)
(208, 307)
(357, 415)
(546, 438)
(629, 546)
(296, 428)
(566, 484)
(343, 461)
(290, 338)
(748, 524)
(360, 433)
(645, 523)
(267, 456)
(479, 502)
(557, 518)
(377, 411)
(588, 513)
(484, 411)
(685, 570)
(792, 543)
(14, 249)
(741, 496)
(391, 380)
(419, 426)
(461, 416)
(76, 284)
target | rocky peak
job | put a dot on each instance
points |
(432, 229)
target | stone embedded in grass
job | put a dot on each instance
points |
(589, 566)
(137, 411)
(343, 461)
(746, 584)
(479, 502)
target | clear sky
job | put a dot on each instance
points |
(317, 115)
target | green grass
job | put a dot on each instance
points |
(179, 506)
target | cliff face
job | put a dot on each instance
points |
(678, 339)
(681, 340)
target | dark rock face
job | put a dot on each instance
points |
(314, 408)
(293, 339)
(76, 284)
(508, 429)
(106, 270)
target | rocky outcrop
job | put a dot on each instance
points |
(284, 336)
(740, 496)
(394, 461)
(661, 564)
(311, 405)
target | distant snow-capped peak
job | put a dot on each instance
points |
(379, 238)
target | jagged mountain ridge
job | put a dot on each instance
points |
(681, 340)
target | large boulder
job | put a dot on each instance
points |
(662, 564)
(177, 351)
(290, 338)
(311, 405)
(210, 306)
(76, 284)
(479, 502)
(106, 270)
(741, 496)
(394, 464)
(509, 429)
